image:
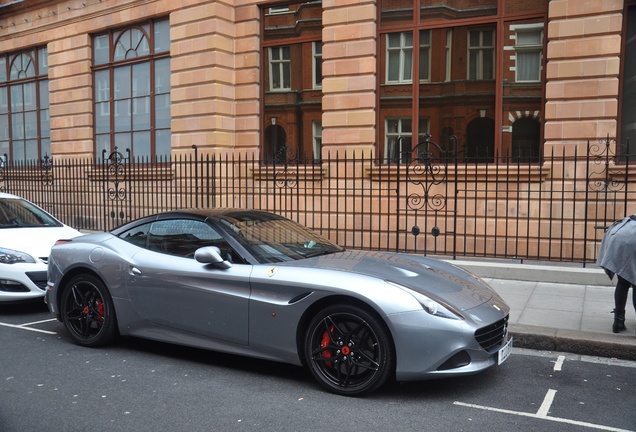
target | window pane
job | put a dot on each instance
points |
(122, 115)
(102, 86)
(100, 50)
(43, 61)
(141, 79)
(44, 94)
(30, 124)
(18, 150)
(286, 75)
(141, 113)
(31, 150)
(3, 68)
(488, 56)
(4, 127)
(408, 65)
(45, 124)
(17, 103)
(394, 66)
(30, 100)
(162, 143)
(102, 117)
(102, 144)
(394, 40)
(162, 111)
(4, 101)
(45, 144)
(162, 76)
(162, 36)
(141, 144)
(488, 38)
(529, 38)
(528, 66)
(122, 142)
(17, 126)
(122, 82)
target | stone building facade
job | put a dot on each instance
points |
(504, 78)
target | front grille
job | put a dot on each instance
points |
(38, 278)
(493, 335)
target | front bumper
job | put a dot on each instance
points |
(22, 281)
(430, 347)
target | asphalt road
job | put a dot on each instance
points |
(49, 384)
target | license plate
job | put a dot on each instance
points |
(504, 352)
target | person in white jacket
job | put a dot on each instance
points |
(617, 256)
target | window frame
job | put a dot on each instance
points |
(283, 65)
(404, 52)
(33, 133)
(528, 48)
(111, 94)
(480, 50)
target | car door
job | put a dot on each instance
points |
(167, 286)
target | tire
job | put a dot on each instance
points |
(87, 311)
(348, 350)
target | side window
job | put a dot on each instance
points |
(182, 237)
(137, 236)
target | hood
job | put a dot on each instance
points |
(431, 277)
(37, 242)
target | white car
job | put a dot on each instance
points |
(27, 234)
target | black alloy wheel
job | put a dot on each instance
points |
(87, 311)
(349, 351)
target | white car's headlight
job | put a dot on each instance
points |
(10, 256)
(431, 306)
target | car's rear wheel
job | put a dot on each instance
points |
(87, 311)
(348, 350)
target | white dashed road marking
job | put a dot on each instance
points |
(558, 365)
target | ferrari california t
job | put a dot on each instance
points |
(257, 284)
(26, 235)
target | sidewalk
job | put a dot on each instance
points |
(556, 308)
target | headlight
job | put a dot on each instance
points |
(10, 256)
(431, 306)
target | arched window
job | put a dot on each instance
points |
(24, 106)
(480, 139)
(276, 150)
(132, 90)
(526, 133)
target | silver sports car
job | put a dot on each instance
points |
(256, 284)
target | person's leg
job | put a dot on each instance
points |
(620, 300)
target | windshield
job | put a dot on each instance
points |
(19, 213)
(272, 238)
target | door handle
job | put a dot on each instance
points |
(135, 271)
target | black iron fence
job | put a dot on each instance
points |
(552, 209)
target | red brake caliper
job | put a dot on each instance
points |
(324, 343)
(100, 310)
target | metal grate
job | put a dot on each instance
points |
(493, 335)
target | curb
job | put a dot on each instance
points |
(619, 346)
(536, 273)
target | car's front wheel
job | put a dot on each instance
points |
(87, 311)
(348, 350)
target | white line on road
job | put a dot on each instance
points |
(537, 416)
(38, 322)
(558, 365)
(27, 328)
(544, 409)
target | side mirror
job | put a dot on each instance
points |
(211, 255)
